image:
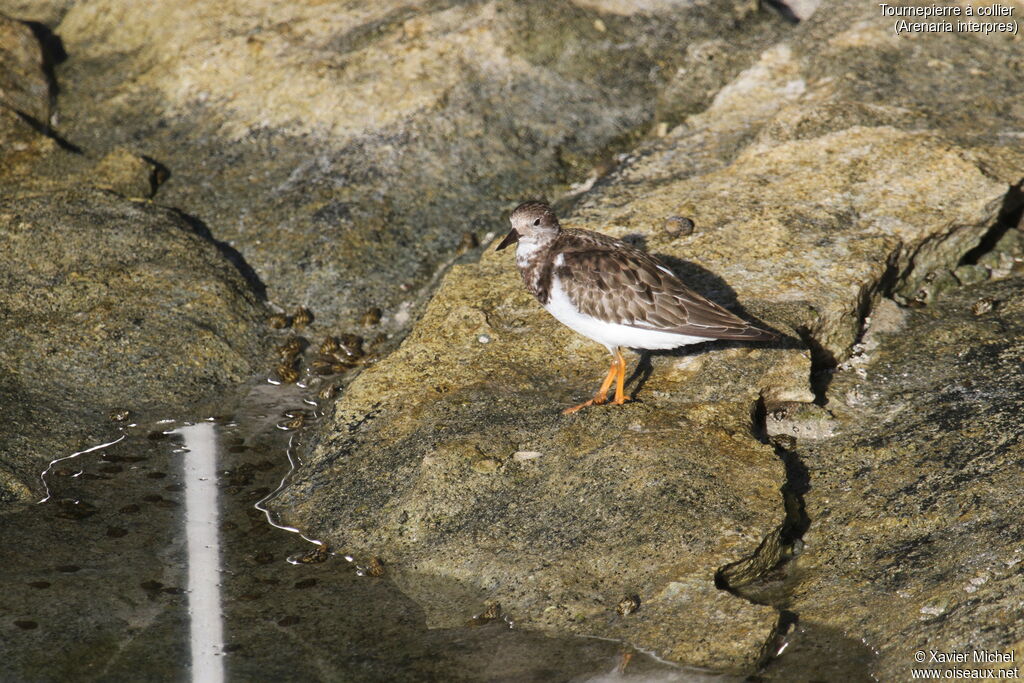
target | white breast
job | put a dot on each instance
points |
(612, 335)
(525, 249)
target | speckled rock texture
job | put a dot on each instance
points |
(110, 304)
(915, 502)
(346, 148)
(818, 186)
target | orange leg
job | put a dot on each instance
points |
(620, 396)
(617, 374)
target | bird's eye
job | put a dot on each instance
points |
(537, 222)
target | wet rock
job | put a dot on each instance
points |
(970, 274)
(375, 137)
(109, 303)
(1006, 257)
(915, 505)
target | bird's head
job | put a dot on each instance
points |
(533, 221)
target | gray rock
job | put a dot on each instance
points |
(798, 420)
(110, 304)
(24, 86)
(915, 506)
(46, 12)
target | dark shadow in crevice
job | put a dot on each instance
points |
(783, 10)
(53, 53)
(761, 577)
(45, 129)
(765, 577)
(158, 176)
(823, 365)
(1011, 216)
(228, 252)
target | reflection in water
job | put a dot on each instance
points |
(69, 457)
(261, 504)
(206, 629)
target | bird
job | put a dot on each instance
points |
(613, 293)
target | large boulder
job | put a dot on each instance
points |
(110, 304)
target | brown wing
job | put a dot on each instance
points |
(608, 279)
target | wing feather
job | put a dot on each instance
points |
(606, 278)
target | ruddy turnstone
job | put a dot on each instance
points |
(613, 293)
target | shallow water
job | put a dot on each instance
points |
(152, 558)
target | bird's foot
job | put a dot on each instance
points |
(592, 402)
(596, 401)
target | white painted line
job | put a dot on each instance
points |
(201, 530)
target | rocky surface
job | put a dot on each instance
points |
(341, 190)
(347, 150)
(344, 156)
(915, 502)
(817, 185)
(108, 305)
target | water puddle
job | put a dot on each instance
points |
(153, 556)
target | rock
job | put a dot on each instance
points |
(796, 10)
(24, 86)
(375, 137)
(110, 304)
(915, 505)
(128, 174)
(1006, 257)
(798, 420)
(816, 193)
(25, 101)
(618, 503)
(45, 12)
(970, 274)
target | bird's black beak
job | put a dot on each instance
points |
(511, 238)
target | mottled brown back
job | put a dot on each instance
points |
(608, 279)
